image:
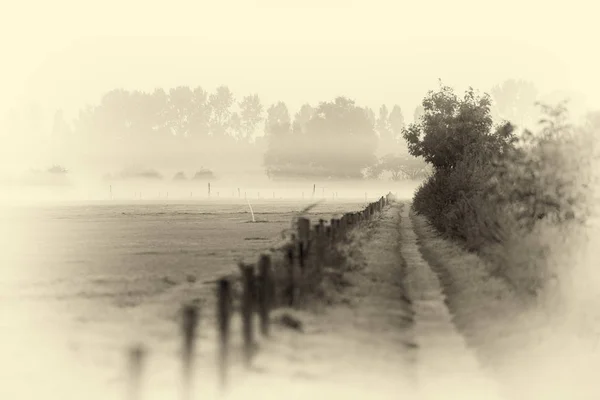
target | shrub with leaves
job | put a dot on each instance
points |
(547, 175)
(514, 200)
(457, 138)
(451, 127)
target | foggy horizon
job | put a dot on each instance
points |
(395, 190)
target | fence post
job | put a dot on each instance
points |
(303, 237)
(334, 232)
(265, 292)
(343, 224)
(319, 249)
(292, 284)
(136, 359)
(223, 315)
(190, 322)
(248, 312)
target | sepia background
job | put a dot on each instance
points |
(139, 138)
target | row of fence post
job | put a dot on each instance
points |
(270, 283)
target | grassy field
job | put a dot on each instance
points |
(81, 282)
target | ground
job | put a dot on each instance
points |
(415, 317)
(389, 333)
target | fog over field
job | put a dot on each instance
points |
(146, 150)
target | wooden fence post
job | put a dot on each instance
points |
(292, 283)
(319, 247)
(265, 292)
(303, 238)
(224, 317)
(247, 313)
(190, 323)
(136, 360)
(334, 232)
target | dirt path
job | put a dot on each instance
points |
(360, 347)
(380, 344)
(445, 365)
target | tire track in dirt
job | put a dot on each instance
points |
(445, 366)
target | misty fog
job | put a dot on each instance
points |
(146, 150)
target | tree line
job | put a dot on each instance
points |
(334, 139)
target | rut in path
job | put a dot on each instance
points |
(445, 366)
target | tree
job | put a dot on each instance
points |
(302, 118)
(250, 115)
(341, 140)
(514, 100)
(399, 166)
(234, 128)
(451, 127)
(278, 120)
(277, 131)
(371, 116)
(113, 116)
(180, 109)
(220, 103)
(383, 124)
(199, 124)
(418, 113)
(396, 122)
(335, 140)
(389, 126)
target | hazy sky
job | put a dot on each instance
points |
(66, 53)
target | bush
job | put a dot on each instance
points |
(57, 169)
(497, 194)
(204, 173)
(180, 176)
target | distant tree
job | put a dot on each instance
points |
(157, 112)
(181, 106)
(220, 103)
(396, 122)
(341, 140)
(112, 118)
(389, 126)
(277, 132)
(302, 118)
(278, 120)
(251, 111)
(57, 169)
(514, 100)
(203, 174)
(382, 124)
(199, 124)
(371, 116)
(180, 176)
(337, 141)
(399, 166)
(419, 112)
